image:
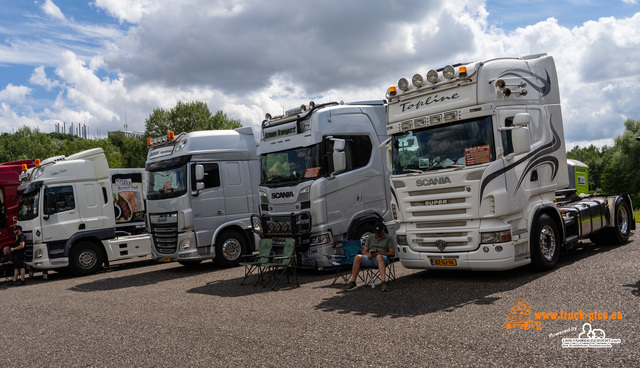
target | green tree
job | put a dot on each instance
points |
(25, 144)
(622, 170)
(132, 150)
(187, 117)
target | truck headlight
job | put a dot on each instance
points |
(186, 243)
(495, 237)
(320, 239)
(402, 240)
(39, 253)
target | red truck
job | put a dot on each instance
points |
(9, 181)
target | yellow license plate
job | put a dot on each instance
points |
(166, 259)
(443, 262)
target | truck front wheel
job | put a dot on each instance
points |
(364, 230)
(229, 248)
(85, 258)
(544, 243)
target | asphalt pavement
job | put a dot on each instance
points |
(142, 313)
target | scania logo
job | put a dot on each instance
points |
(279, 195)
(433, 181)
(441, 244)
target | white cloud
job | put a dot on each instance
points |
(39, 77)
(128, 10)
(52, 10)
(13, 93)
(250, 57)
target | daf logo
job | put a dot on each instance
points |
(279, 195)
(441, 244)
(433, 181)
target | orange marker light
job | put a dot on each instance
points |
(149, 141)
(463, 71)
(24, 167)
(170, 136)
(37, 162)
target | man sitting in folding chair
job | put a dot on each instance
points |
(377, 250)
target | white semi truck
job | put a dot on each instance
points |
(77, 213)
(324, 178)
(478, 168)
(202, 192)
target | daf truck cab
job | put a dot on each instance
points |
(67, 211)
(323, 178)
(202, 192)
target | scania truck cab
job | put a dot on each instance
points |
(323, 178)
(480, 170)
(202, 192)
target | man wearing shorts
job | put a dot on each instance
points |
(18, 256)
(376, 251)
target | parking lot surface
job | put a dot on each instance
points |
(143, 313)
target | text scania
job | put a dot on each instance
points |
(280, 132)
(431, 99)
(433, 181)
(281, 195)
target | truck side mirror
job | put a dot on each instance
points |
(199, 177)
(199, 173)
(339, 156)
(49, 205)
(521, 140)
(521, 119)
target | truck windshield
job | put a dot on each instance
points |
(457, 144)
(290, 166)
(167, 183)
(28, 206)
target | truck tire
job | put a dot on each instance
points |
(363, 231)
(229, 247)
(544, 243)
(622, 229)
(85, 258)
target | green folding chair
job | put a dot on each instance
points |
(255, 263)
(282, 264)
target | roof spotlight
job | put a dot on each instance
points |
(312, 105)
(403, 84)
(417, 80)
(449, 72)
(432, 76)
(267, 116)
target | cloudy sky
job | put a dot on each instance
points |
(107, 63)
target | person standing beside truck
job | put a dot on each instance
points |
(18, 256)
(377, 250)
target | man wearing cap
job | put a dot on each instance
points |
(18, 256)
(376, 251)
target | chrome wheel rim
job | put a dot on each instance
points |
(623, 220)
(231, 249)
(547, 242)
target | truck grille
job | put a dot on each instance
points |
(165, 238)
(439, 219)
